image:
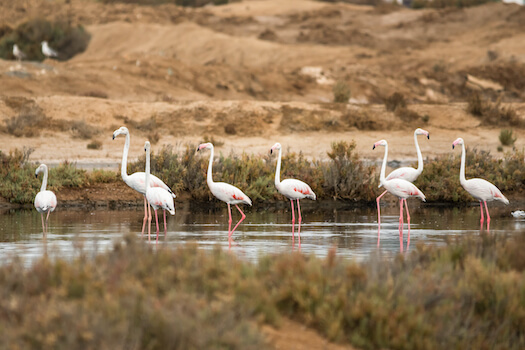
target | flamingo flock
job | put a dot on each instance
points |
(158, 195)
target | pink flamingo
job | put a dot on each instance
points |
(225, 192)
(136, 180)
(406, 173)
(292, 189)
(45, 201)
(480, 189)
(400, 188)
(157, 197)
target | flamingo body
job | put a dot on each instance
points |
(403, 189)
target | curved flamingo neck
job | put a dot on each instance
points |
(419, 156)
(44, 180)
(147, 169)
(382, 178)
(124, 167)
(462, 179)
(209, 178)
(278, 170)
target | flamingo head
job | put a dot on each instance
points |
(147, 146)
(420, 131)
(379, 143)
(275, 147)
(41, 168)
(459, 141)
(120, 131)
(207, 145)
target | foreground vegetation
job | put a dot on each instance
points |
(342, 177)
(467, 294)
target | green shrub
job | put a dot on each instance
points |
(493, 113)
(66, 40)
(341, 92)
(506, 137)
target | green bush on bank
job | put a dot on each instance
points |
(467, 294)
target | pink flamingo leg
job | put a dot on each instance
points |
(293, 223)
(157, 221)
(149, 223)
(43, 226)
(481, 208)
(401, 224)
(165, 228)
(379, 217)
(145, 216)
(408, 221)
(241, 220)
(300, 219)
(488, 216)
(229, 222)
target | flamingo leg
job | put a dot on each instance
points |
(165, 227)
(43, 226)
(401, 224)
(293, 223)
(145, 216)
(408, 221)
(229, 222)
(241, 220)
(488, 216)
(149, 223)
(481, 208)
(379, 217)
(47, 220)
(300, 219)
(157, 221)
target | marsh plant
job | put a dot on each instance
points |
(506, 137)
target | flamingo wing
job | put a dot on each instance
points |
(483, 190)
(405, 173)
(403, 189)
(296, 189)
(229, 193)
(137, 181)
(159, 198)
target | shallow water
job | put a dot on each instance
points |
(353, 232)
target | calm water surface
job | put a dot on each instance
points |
(353, 232)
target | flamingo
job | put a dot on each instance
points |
(225, 192)
(157, 197)
(406, 173)
(480, 189)
(400, 188)
(136, 180)
(292, 189)
(19, 55)
(45, 201)
(47, 51)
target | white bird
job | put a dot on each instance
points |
(401, 189)
(292, 189)
(45, 201)
(480, 189)
(225, 192)
(47, 51)
(18, 53)
(406, 173)
(137, 180)
(518, 214)
(158, 198)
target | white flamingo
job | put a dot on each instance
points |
(406, 173)
(480, 189)
(19, 55)
(292, 189)
(47, 51)
(157, 197)
(400, 188)
(225, 192)
(45, 201)
(136, 180)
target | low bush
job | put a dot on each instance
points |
(467, 294)
(95, 144)
(29, 121)
(418, 4)
(188, 3)
(506, 137)
(394, 101)
(60, 35)
(492, 114)
(341, 92)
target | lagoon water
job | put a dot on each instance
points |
(352, 232)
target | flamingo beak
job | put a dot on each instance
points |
(428, 136)
(113, 136)
(453, 146)
(271, 150)
(374, 146)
